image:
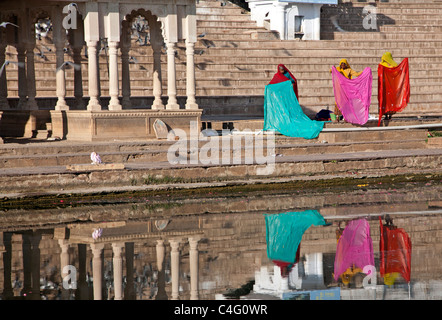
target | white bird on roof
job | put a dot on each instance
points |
(97, 233)
(95, 157)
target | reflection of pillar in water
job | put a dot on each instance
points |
(7, 265)
(35, 241)
(118, 270)
(64, 261)
(82, 292)
(175, 266)
(27, 264)
(129, 293)
(193, 253)
(97, 269)
(161, 294)
(314, 270)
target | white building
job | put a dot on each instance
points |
(293, 19)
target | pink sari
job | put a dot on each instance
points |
(355, 247)
(353, 96)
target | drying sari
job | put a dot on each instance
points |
(282, 113)
(353, 96)
(393, 88)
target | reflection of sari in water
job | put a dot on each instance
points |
(354, 250)
(395, 253)
(393, 86)
(284, 232)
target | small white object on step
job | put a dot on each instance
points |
(95, 157)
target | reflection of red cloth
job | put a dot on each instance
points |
(289, 265)
(395, 251)
(279, 77)
(393, 88)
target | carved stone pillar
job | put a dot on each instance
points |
(172, 103)
(114, 103)
(93, 84)
(190, 74)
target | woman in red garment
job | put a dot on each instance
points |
(284, 74)
(393, 86)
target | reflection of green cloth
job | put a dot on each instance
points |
(283, 113)
(284, 232)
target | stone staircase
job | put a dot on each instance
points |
(236, 59)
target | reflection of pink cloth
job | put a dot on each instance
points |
(353, 96)
(355, 247)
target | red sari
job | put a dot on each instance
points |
(279, 77)
(393, 88)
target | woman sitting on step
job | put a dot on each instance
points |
(349, 73)
(284, 74)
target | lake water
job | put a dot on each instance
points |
(211, 244)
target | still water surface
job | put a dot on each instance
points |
(213, 245)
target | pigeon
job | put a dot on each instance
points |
(76, 66)
(20, 64)
(97, 233)
(202, 34)
(4, 24)
(95, 157)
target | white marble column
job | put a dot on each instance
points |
(190, 74)
(114, 103)
(193, 255)
(175, 266)
(97, 269)
(92, 36)
(118, 270)
(172, 103)
(93, 84)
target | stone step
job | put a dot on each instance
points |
(128, 153)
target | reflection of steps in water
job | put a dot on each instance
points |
(305, 275)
